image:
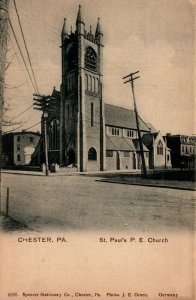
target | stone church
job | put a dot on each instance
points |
(83, 131)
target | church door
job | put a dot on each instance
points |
(71, 157)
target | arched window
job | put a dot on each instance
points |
(94, 88)
(92, 114)
(86, 82)
(90, 83)
(97, 85)
(90, 59)
(160, 148)
(72, 82)
(54, 135)
(92, 154)
(72, 59)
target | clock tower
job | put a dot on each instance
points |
(82, 106)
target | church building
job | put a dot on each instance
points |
(83, 131)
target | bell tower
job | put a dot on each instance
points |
(83, 134)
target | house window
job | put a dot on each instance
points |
(168, 157)
(92, 154)
(160, 148)
(90, 59)
(126, 154)
(54, 135)
(18, 138)
(115, 131)
(31, 139)
(18, 157)
(109, 153)
(18, 147)
(92, 115)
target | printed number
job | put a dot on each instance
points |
(12, 294)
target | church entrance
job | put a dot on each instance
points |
(71, 159)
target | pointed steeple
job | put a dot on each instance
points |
(64, 30)
(98, 29)
(79, 16)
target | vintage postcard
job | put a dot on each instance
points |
(98, 149)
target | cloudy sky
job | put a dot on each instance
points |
(155, 37)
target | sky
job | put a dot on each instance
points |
(155, 37)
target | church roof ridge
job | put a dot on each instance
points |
(117, 106)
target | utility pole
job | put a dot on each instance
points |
(45, 115)
(130, 78)
(4, 15)
(44, 104)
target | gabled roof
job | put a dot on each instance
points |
(137, 146)
(122, 117)
(147, 139)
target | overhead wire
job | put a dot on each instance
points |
(35, 85)
(15, 37)
(37, 90)
(32, 126)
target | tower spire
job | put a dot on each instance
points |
(79, 16)
(98, 29)
(64, 30)
(99, 33)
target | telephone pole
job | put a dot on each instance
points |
(3, 49)
(130, 78)
(45, 104)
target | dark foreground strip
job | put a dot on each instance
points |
(10, 224)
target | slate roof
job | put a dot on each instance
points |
(122, 117)
(119, 143)
(123, 144)
(151, 127)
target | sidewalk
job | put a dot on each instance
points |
(171, 184)
(71, 172)
(35, 173)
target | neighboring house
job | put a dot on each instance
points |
(183, 150)
(18, 147)
(159, 153)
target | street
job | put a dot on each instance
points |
(83, 203)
